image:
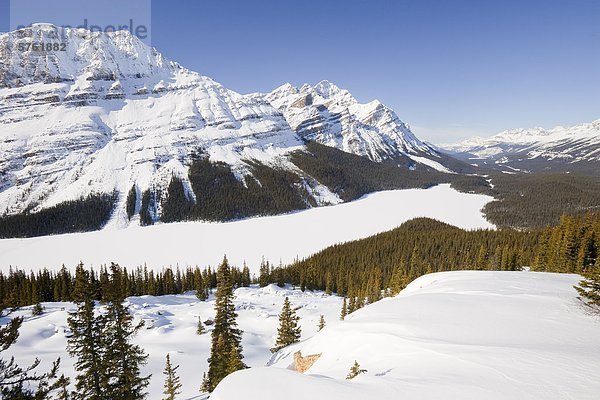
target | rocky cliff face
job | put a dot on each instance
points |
(333, 117)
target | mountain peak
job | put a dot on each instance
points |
(94, 56)
(327, 114)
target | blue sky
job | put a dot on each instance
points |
(451, 69)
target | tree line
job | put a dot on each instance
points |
(81, 215)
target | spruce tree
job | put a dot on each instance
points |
(344, 311)
(205, 386)
(122, 359)
(200, 329)
(225, 334)
(289, 331)
(321, 322)
(37, 309)
(200, 286)
(589, 287)
(62, 385)
(234, 361)
(264, 276)
(172, 383)
(355, 370)
(87, 341)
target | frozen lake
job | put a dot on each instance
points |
(276, 238)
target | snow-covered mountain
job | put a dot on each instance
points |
(332, 116)
(571, 148)
(109, 112)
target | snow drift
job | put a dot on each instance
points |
(457, 335)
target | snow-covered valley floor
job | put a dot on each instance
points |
(455, 335)
(283, 237)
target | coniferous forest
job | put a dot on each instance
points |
(359, 268)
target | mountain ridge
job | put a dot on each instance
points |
(575, 148)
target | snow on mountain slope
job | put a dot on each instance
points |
(573, 145)
(109, 112)
(454, 335)
(203, 243)
(171, 328)
(333, 117)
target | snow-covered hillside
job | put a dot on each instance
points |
(333, 117)
(171, 328)
(573, 146)
(283, 237)
(457, 335)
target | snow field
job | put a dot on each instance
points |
(455, 335)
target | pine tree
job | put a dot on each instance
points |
(205, 386)
(590, 286)
(321, 322)
(199, 285)
(344, 310)
(355, 371)
(225, 334)
(122, 360)
(289, 331)
(234, 362)
(264, 273)
(200, 329)
(62, 384)
(172, 383)
(87, 341)
(37, 309)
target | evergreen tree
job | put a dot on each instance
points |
(355, 370)
(37, 309)
(264, 276)
(122, 359)
(205, 386)
(234, 361)
(590, 286)
(87, 341)
(344, 311)
(225, 334)
(246, 280)
(200, 286)
(172, 383)
(321, 322)
(289, 331)
(200, 328)
(62, 385)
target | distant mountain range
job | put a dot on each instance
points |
(575, 148)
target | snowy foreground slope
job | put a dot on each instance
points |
(457, 335)
(282, 237)
(174, 331)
